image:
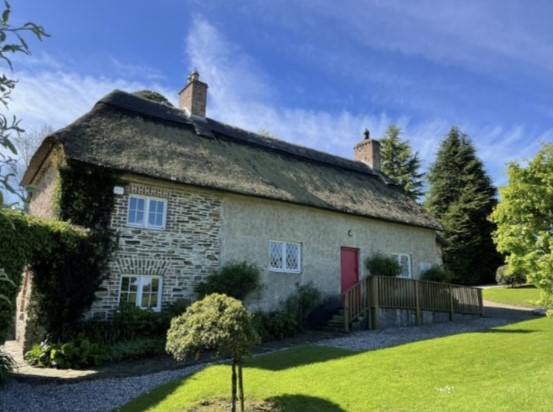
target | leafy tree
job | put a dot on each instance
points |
(524, 220)
(220, 323)
(11, 41)
(398, 162)
(462, 197)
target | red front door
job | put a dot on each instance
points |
(349, 267)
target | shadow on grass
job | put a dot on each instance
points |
(304, 403)
(298, 356)
(507, 331)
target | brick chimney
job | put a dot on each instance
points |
(368, 151)
(193, 97)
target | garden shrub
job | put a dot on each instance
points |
(502, 277)
(437, 274)
(382, 265)
(291, 318)
(7, 364)
(235, 279)
(136, 349)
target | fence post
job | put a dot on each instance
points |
(346, 312)
(376, 303)
(480, 301)
(451, 303)
(417, 304)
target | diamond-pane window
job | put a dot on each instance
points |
(284, 256)
(146, 212)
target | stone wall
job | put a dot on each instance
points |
(183, 254)
(42, 197)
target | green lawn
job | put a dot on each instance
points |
(503, 369)
(526, 296)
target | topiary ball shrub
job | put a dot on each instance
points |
(235, 279)
(502, 277)
(437, 274)
(381, 265)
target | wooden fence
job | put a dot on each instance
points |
(373, 293)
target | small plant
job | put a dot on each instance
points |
(381, 265)
(74, 354)
(437, 274)
(502, 277)
(235, 279)
(300, 304)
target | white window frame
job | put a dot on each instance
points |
(285, 269)
(398, 256)
(147, 200)
(140, 289)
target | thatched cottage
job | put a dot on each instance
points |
(198, 193)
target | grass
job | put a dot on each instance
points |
(502, 369)
(525, 296)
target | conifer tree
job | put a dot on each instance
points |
(399, 163)
(462, 197)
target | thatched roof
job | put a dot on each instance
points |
(128, 133)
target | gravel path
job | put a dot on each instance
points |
(110, 393)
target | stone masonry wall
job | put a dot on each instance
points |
(184, 253)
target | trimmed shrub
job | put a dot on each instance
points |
(235, 279)
(382, 265)
(502, 277)
(437, 274)
(300, 304)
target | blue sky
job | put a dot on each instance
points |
(311, 72)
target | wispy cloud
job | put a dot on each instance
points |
(48, 95)
(241, 96)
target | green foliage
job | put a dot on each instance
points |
(503, 277)
(462, 197)
(66, 281)
(235, 279)
(382, 265)
(136, 349)
(27, 240)
(7, 365)
(275, 325)
(75, 354)
(220, 323)
(399, 163)
(12, 41)
(291, 318)
(217, 322)
(153, 96)
(524, 220)
(437, 274)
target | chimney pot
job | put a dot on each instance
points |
(368, 151)
(193, 97)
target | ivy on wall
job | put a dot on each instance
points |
(69, 259)
(24, 240)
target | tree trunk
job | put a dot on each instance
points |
(240, 386)
(233, 404)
